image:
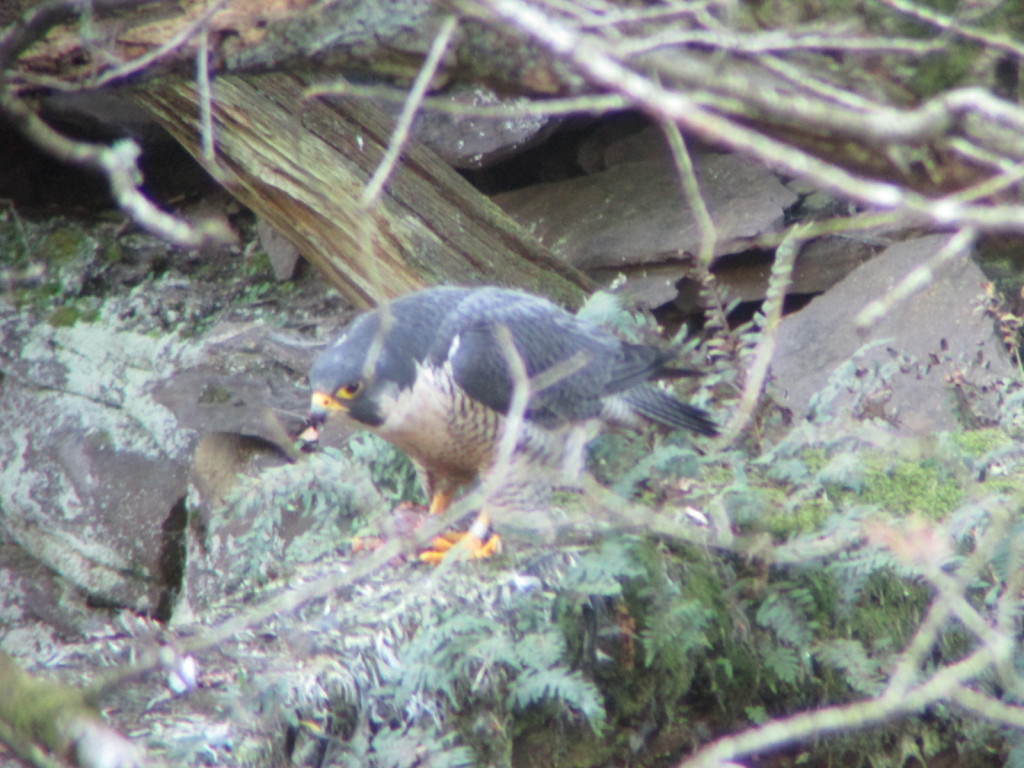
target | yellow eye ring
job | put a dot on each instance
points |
(350, 390)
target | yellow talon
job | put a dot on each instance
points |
(474, 548)
(477, 543)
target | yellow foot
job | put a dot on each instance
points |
(476, 543)
(471, 545)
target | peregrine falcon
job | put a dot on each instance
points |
(439, 373)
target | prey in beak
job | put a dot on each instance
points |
(321, 406)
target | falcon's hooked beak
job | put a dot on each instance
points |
(321, 406)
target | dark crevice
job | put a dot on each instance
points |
(173, 556)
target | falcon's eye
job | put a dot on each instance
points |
(350, 390)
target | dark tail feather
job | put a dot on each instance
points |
(666, 372)
(650, 402)
(637, 363)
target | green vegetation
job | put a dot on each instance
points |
(626, 641)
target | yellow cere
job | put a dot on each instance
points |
(327, 402)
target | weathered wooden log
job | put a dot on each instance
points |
(302, 165)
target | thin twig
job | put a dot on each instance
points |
(987, 707)
(117, 162)
(207, 138)
(711, 291)
(596, 60)
(412, 104)
(595, 104)
(841, 225)
(134, 66)
(777, 41)
(515, 417)
(691, 194)
(779, 281)
(917, 279)
(616, 15)
(949, 24)
(36, 21)
(777, 733)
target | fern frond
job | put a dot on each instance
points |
(558, 684)
(780, 613)
(863, 673)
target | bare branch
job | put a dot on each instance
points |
(599, 64)
(401, 132)
(588, 104)
(949, 24)
(788, 730)
(982, 116)
(133, 67)
(118, 162)
(778, 284)
(958, 246)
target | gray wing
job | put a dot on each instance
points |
(544, 336)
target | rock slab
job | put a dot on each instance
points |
(931, 363)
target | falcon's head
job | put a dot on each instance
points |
(378, 358)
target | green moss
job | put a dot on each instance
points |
(924, 487)
(214, 395)
(263, 290)
(935, 74)
(752, 505)
(39, 710)
(257, 265)
(64, 244)
(783, 522)
(111, 251)
(978, 442)
(887, 612)
(63, 317)
(816, 459)
(73, 312)
(904, 486)
(47, 290)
